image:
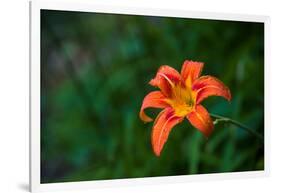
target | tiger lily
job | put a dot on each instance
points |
(180, 96)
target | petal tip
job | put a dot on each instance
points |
(157, 153)
(156, 148)
(229, 96)
(207, 135)
(152, 82)
(144, 117)
(208, 132)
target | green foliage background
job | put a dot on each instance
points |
(95, 70)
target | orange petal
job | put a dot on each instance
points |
(210, 86)
(162, 128)
(154, 99)
(191, 70)
(165, 78)
(201, 120)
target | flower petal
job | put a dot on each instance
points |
(165, 78)
(162, 128)
(191, 70)
(207, 86)
(154, 99)
(201, 120)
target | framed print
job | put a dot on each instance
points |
(125, 96)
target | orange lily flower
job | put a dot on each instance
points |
(180, 95)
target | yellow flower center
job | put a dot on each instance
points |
(182, 99)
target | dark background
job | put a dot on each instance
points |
(95, 70)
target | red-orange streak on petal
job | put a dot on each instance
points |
(154, 99)
(210, 86)
(191, 69)
(165, 77)
(162, 128)
(201, 120)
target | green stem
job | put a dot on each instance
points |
(240, 125)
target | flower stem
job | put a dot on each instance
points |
(240, 125)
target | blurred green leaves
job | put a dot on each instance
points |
(95, 70)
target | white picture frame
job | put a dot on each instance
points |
(36, 6)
